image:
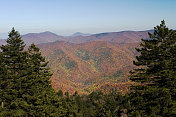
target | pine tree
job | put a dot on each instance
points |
(156, 73)
(40, 93)
(14, 63)
(25, 85)
(155, 59)
(3, 82)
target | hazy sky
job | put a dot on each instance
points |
(88, 16)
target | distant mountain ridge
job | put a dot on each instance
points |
(116, 37)
(80, 34)
(43, 37)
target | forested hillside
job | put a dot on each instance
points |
(89, 66)
(26, 88)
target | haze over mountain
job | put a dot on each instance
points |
(117, 37)
(38, 38)
(43, 37)
(3, 35)
(80, 34)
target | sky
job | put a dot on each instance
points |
(65, 17)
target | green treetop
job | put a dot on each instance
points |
(25, 84)
(155, 73)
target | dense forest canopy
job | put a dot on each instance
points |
(26, 89)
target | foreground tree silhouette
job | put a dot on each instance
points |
(25, 87)
(13, 62)
(157, 73)
(39, 94)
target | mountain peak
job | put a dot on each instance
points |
(48, 33)
(80, 34)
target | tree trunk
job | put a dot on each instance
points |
(2, 104)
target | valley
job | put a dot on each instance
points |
(84, 67)
(89, 63)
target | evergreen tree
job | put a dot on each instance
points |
(25, 85)
(3, 82)
(156, 73)
(14, 63)
(156, 59)
(39, 94)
